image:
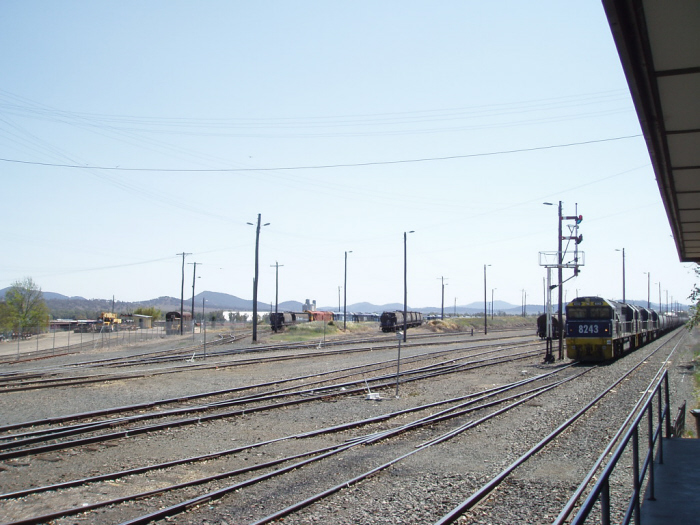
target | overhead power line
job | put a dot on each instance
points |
(321, 166)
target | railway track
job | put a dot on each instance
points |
(307, 470)
(15, 439)
(192, 357)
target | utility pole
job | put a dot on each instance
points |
(345, 293)
(485, 311)
(561, 289)
(194, 277)
(277, 269)
(255, 279)
(405, 287)
(442, 307)
(182, 289)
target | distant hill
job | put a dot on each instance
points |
(62, 306)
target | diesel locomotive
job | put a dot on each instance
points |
(598, 329)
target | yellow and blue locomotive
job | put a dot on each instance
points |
(598, 329)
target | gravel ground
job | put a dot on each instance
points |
(419, 489)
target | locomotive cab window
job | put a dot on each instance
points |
(576, 313)
(589, 312)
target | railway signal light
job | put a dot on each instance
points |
(579, 239)
(579, 219)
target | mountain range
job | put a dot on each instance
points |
(62, 305)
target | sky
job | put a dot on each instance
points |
(131, 132)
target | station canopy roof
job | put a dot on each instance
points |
(659, 45)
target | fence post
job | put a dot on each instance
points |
(668, 406)
(635, 473)
(650, 419)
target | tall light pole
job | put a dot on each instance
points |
(255, 279)
(648, 289)
(345, 292)
(560, 264)
(204, 328)
(561, 289)
(277, 269)
(194, 277)
(485, 312)
(442, 307)
(405, 287)
(623, 273)
(182, 289)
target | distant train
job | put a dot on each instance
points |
(172, 322)
(542, 326)
(281, 319)
(598, 329)
(393, 321)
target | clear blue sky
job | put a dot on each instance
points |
(344, 124)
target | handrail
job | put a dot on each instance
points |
(601, 490)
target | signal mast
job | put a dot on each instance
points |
(556, 260)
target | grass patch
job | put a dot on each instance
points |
(314, 331)
(465, 324)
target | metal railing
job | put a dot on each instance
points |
(641, 466)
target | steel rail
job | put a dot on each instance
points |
(380, 436)
(179, 507)
(481, 493)
(319, 454)
(484, 394)
(311, 395)
(257, 349)
(44, 383)
(374, 367)
(576, 496)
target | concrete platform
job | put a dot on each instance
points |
(677, 487)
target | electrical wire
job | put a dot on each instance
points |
(323, 166)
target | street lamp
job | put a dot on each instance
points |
(345, 292)
(194, 279)
(560, 298)
(255, 279)
(277, 269)
(442, 308)
(405, 288)
(485, 314)
(648, 289)
(623, 273)
(182, 291)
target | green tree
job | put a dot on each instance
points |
(154, 312)
(24, 308)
